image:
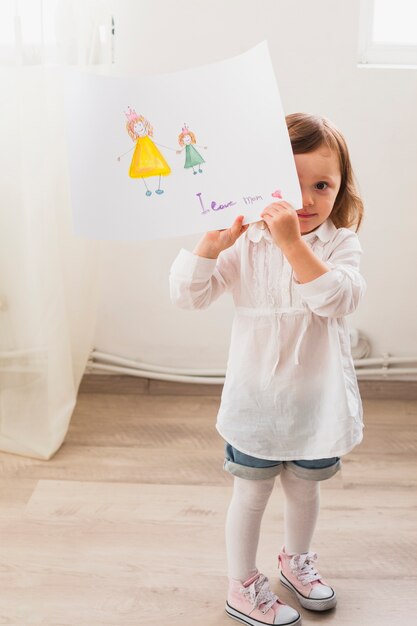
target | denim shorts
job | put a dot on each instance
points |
(245, 466)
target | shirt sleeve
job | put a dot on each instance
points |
(339, 291)
(195, 281)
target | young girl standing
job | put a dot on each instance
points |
(290, 404)
(193, 158)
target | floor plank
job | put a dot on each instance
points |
(125, 525)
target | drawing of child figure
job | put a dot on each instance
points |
(193, 158)
(147, 160)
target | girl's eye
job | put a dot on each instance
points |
(320, 186)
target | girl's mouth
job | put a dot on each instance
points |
(305, 215)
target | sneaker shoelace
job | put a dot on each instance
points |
(302, 566)
(259, 593)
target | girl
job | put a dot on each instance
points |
(147, 160)
(290, 404)
(193, 158)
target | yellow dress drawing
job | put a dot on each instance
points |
(147, 160)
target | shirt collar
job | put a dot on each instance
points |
(324, 232)
(255, 233)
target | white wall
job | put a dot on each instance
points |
(313, 44)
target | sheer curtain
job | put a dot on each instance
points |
(49, 279)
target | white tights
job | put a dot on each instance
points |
(244, 516)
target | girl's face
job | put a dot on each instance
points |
(187, 139)
(139, 129)
(320, 178)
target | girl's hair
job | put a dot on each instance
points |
(183, 134)
(131, 130)
(310, 132)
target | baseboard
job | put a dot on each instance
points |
(124, 384)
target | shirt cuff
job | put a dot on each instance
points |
(327, 282)
(193, 267)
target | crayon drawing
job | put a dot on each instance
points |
(193, 158)
(202, 145)
(147, 160)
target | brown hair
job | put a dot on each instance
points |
(131, 124)
(310, 132)
(184, 134)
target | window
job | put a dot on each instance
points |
(388, 33)
(50, 32)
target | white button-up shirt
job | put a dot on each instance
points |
(290, 391)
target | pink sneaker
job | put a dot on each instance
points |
(253, 602)
(298, 574)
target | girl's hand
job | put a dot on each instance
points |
(283, 224)
(214, 241)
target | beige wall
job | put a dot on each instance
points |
(313, 45)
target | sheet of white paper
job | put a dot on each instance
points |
(234, 111)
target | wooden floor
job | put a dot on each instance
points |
(125, 525)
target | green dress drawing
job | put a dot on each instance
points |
(192, 157)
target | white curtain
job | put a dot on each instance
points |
(49, 279)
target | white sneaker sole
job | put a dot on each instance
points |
(314, 604)
(246, 619)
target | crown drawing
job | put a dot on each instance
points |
(131, 115)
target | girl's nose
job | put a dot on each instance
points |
(307, 199)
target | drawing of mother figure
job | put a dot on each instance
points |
(147, 160)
